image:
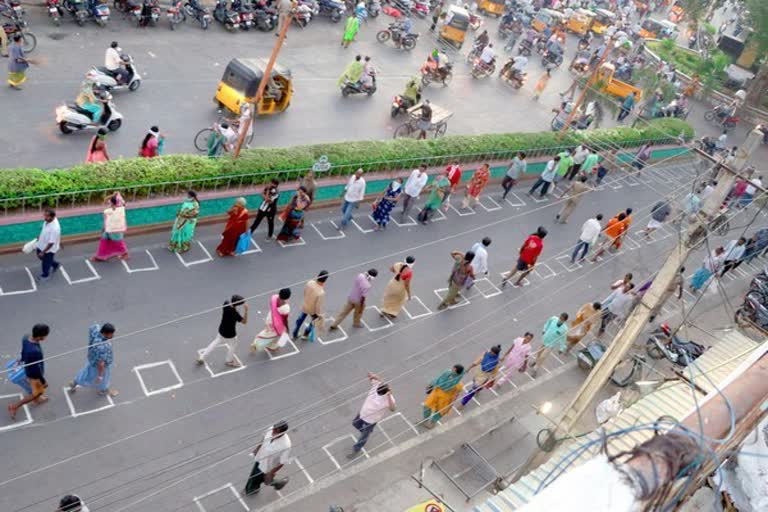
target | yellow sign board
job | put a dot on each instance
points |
(427, 506)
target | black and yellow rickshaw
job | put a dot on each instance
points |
(548, 18)
(580, 21)
(455, 27)
(603, 19)
(494, 7)
(241, 81)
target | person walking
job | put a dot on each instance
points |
(454, 173)
(582, 323)
(237, 224)
(553, 337)
(34, 368)
(476, 186)
(112, 241)
(641, 158)
(674, 287)
(590, 163)
(152, 143)
(515, 358)
(271, 455)
(384, 205)
(516, 168)
(97, 148)
(309, 183)
(413, 187)
(660, 212)
(734, 252)
(626, 107)
(184, 226)
(268, 208)
(462, 276)
(617, 305)
(98, 369)
(274, 336)
(17, 63)
(398, 290)
(528, 254)
(227, 333)
(438, 190)
(573, 195)
(612, 235)
(579, 155)
(541, 84)
(590, 232)
(710, 266)
(486, 366)
(547, 177)
(351, 27)
(293, 216)
(563, 166)
(441, 393)
(753, 186)
(377, 404)
(312, 307)
(284, 9)
(356, 299)
(48, 244)
(354, 192)
(480, 261)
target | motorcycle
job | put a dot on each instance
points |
(149, 13)
(266, 17)
(552, 59)
(348, 87)
(130, 8)
(444, 74)
(513, 77)
(245, 14)
(70, 117)
(16, 11)
(421, 8)
(395, 33)
(305, 11)
(525, 48)
(175, 14)
(401, 104)
(55, 11)
(99, 11)
(481, 69)
(78, 10)
(105, 79)
(17, 25)
(663, 344)
(195, 11)
(373, 7)
(752, 311)
(475, 22)
(722, 115)
(333, 9)
(227, 17)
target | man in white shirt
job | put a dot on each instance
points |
(734, 252)
(750, 191)
(377, 405)
(114, 63)
(590, 231)
(480, 261)
(271, 455)
(48, 244)
(619, 303)
(488, 54)
(707, 190)
(354, 193)
(413, 187)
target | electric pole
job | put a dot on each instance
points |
(638, 319)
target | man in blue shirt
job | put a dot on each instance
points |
(34, 367)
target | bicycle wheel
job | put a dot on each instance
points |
(201, 139)
(404, 130)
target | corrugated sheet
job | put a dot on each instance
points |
(672, 399)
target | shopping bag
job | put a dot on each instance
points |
(29, 247)
(243, 243)
(284, 339)
(17, 375)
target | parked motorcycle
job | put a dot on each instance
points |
(78, 9)
(753, 311)
(305, 11)
(348, 87)
(264, 16)
(333, 9)
(245, 14)
(99, 11)
(17, 25)
(175, 14)
(106, 79)
(55, 11)
(70, 117)
(197, 12)
(130, 9)
(149, 14)
(663, 344)
(373, 7)
(421, 8)
(395, 33)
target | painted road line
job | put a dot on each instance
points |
(439, 212)
(142, 269)
(94, 277)
(76, 414)
(441, 292)
(383, 431)
(342, 438)
(387, 325)
(414, 298)
(330, 341)
(363, 230)
(224, 372)
(517, 201)
(188, 264)
(538, 199)
(411, 221)
(631, 180)
(295, 243)
(287, 354)
(298, 463)
(565, 261)
(339, 236)
(632, 244)
(544, 271)
(525, 281)
(229, 486)
(28, 290)
(16, 424)
(494, 205)
(486, 288)
(465, 213)
(255, 249)
(171, 366)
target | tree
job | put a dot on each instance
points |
(758, 19)
(696, 12)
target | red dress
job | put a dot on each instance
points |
(236, 226)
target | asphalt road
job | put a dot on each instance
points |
(158, 450)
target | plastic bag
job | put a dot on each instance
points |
(607, 409)
(243, 243)
(18, 375)
(29, 247)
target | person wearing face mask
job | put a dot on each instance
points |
(356, 299)
(384, 205)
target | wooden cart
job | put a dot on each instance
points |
(410, 128)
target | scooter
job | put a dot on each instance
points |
(99, 11)
(78, 10)
(195, 11)
(175, 14)
(55, 11)
(348, 87)
(373, 7)
(421, 8)
(227, 17)
(265, 17)
(333, 9)
(663, 344)
(752, 311)
(72, 118)
(105, 79)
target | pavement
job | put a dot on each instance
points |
(178, 432)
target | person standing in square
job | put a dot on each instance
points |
(356, 299)
(271, 455)
(34, 367)
(48, 244)
(227, 333)
(377, 404)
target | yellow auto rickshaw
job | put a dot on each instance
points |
(610, 85)
(491, 7)
(655, 29)
(603, 20)
(241, 81)
(455, 27)
(547, 18)
(580, 21)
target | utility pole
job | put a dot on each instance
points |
(638, 319)
(263, 84)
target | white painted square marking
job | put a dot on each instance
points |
(301, 468)
(486, 288)
(94, 277)
(463, 301)
(494, 204)
(465, 213)
(28, 290)
(339, 236)
(538, 199)
(565, 261)
(381, 426)
(631, 181)
(76, 414)
(188, 264)
(383, 317)
(287, 354)
(544, 271)
(337, 339)
(342, 438)
(411, 221)
(361, 229)
(217, 490)
(518, 201)
(170, 365)
(437, 212)
(225, 372)
(295, 243)
(524, 282)
(631, 244)
(255, 249)
(614, 184)
(143, 269)
(25, 408)
(420, 315)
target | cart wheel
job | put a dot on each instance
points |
(440, 129)
(201, 139)
(403, 131)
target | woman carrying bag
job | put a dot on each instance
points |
(112, 242)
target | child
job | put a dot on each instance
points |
(541, 84)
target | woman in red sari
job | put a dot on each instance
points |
(236, 226)
(476, 185)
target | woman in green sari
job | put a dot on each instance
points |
(184, 227)
(441, 394)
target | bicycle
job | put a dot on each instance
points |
(201, 138)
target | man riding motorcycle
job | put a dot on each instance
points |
(435, 64)
(400, 29)
(488, 55)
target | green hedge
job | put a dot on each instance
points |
(258, 164)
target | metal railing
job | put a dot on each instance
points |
(132, 192)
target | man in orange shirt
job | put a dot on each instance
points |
(613, 232)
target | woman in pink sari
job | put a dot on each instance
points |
(97, 149)
(275, 335)
(112, 243)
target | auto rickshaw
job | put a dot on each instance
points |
(580, 21)
(454, 30)
(608, 84)
(241, 81)
(491, 7)
(547, 18)
(677, 14)
(603, 20)
(655, 29)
